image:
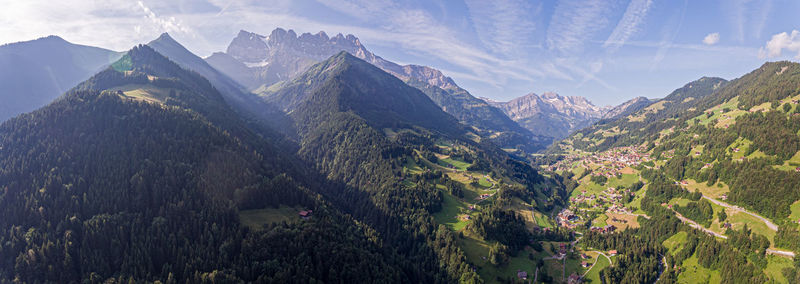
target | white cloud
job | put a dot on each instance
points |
(779, 42)
(711, 39)
(629, 24)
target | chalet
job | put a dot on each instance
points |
(797, 169)
(585, 264)
(522, 274)
(585, 256)
(574, 279)
(612, 252)
(727, 225)
(305, 214)
(724, 197)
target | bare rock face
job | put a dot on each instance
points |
(257, 62)
(557, 116)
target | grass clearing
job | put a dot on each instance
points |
(790, 164)
(622, 221)
(257, 218)
(795, 215)
(739, 219)
(693, 272)
(452, 210)
(146, 93)
(542, 220)
(676, 242)
(713, 191)
(775, 267)
(593, 275)
(477, 251)
(455, 164)
(411, 166)
(600, 221)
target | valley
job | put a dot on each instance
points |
(205, 153)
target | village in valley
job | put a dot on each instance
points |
(608, 188)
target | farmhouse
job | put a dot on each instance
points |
(522, 274)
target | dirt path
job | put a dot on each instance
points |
(766, 221)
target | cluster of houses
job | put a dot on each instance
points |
(567, 218)
(603, 230)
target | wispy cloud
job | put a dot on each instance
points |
(779, 42)
(749, 17)
(168, 24)
(669, 34)
(629, 24)
(574, 22)
(711, 39)
(502, 25)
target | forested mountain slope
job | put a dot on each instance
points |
(36, 72)
(143, 173)
(402, 156)
(645, 123)
(258, 62)
(248, 105)
(721, 157)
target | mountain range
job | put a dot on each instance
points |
(258, 62)
(305, 159)
(557, 116)
(159, 170)
(43, 69)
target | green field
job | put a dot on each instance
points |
(600, 221)
(459, 165)
(593, 276)
(542, 220)
(412, 167)
(790, 164)
(476, 250)
(637, 201)
(795, 211)
(775, 268)
(256, 218)
(626, 180)
(452, 207)
(147, 93)
(679, 201)
(739, 219)
(675, 242)
(713, 191)
(694, 273)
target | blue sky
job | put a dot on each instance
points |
(608, 51)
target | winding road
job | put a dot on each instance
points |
(766, 221)
(695, 225)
